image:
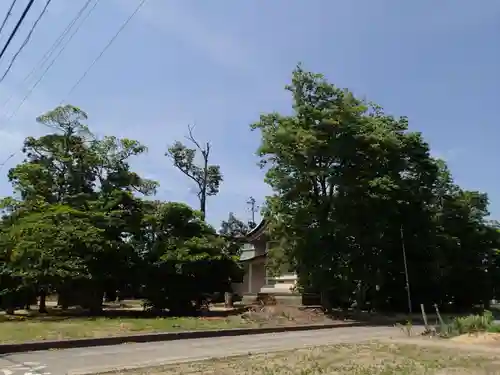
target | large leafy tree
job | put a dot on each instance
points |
(50, 247)
(186, 260)
(466, 244)
(78, 226)
(354, 194)
(73, 168)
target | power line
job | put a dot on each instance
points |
(26, 40)
(53, 48)
(9, 13)
(105, 48)
(6, 160)
(65, 32)
(33, 87)
(18, 24)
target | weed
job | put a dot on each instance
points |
(469, 325)
(494, 328)
(406, 328)
(473, 323)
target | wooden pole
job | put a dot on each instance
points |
(410, 311)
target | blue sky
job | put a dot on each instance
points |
(218, 64)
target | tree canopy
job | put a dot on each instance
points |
(80, 225)
(355, 192)
(359, 209)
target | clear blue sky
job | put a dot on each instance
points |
(220, 63)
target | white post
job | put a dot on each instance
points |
(250, 278)
(424, 316)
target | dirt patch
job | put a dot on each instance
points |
(361, 359)
(287, 315)
(483, 338)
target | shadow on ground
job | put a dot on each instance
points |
(56, 314)
(263, 314)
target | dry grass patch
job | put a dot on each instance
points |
(481, 338)
(361, 359)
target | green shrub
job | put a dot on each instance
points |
(472, 323)
(495, 328)
(469, 324)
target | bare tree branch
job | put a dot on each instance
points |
(190, 137)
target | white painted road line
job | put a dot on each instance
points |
(27, 368)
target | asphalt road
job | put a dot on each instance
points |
(97, 359)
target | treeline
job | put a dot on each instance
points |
(360, 209)
(359, 203)
(80, 224)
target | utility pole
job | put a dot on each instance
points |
(406, 270)
(253, 207)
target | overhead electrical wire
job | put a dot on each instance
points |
(6, 160)
(47, 56)
(26, 40)
(65, 32)
(16, 28)
(141, 4)
(57, 43)
(53, 48)
(9, 13)
(106, 47)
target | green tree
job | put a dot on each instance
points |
(353, 187)
(78, 226)
(466, 244)
(71, 167)
(185, 261)
(206, 177)
(233, 227)
(45, 249)
(56, 169)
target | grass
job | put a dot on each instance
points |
(59, 325)
(129, 318)
(361, 359)
(36, 330)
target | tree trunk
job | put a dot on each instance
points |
(95, 302)
(62, 300)
(228, 300)
(326, 302)
(42, 306)
(110, 295)
(203, 204)
(361, 290)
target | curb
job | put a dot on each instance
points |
(163, 336)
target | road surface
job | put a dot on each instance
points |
(97, 359)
